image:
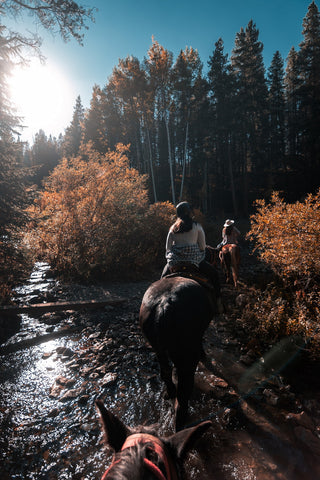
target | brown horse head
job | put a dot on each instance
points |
(141, 453)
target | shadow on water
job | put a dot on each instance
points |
(49, 426)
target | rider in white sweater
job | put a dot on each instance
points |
(186, 243)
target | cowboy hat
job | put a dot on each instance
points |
(228, 223)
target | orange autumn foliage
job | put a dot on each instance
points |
(287, 236)
(94, 219)
(287, 239)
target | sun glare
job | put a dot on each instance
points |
(43, 97)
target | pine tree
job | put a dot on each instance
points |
(221, 101)
(309, 58)
(251, 101)
(276, 102)
(94, 125)
(44, 155)
(73, 134)
(292, 82)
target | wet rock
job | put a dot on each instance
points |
(108, 379)
(46, 355)
(301, 419)
(51, 318)
(88, 427)
(54, 413)
(64, 351)
(308, 438)
(94, 335)
(55, 391)
(86, 371)
(101, 370)
(271, 397)
(66, 382)
(216, 381)
(70, 394)
(75, 366)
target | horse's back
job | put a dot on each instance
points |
(174, 310)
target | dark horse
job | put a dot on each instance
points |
(174, 315)
(141, 454)
(230, 260)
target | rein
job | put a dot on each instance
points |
(158, 447)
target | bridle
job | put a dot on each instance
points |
(158, 447)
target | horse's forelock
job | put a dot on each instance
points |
(129, 464)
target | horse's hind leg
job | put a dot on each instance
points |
(185, 375)
(166, 374)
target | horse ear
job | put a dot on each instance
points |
(115, 431)
(184, 440)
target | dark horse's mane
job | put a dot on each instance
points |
(131, 461)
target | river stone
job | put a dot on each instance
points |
(108, 379)
(66, 382)
(70, 394)
(64, 351)
(301, 419)
(271, 397)
(55, 390)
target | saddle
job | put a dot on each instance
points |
(188, 270)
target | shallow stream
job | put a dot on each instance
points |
(49, 426)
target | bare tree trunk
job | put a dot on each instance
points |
(233, 193)
(184, 162)
(170, 162)
(151, 168)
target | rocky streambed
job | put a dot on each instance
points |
(264, 425)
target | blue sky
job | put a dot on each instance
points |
(126, 27)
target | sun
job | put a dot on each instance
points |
(43, 97)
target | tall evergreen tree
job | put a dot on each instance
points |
(73, 134)
(44, 155)
(248, 67)
(309, 57)
(292, 82)
(94, 125)
(276, 112)
(222, 93)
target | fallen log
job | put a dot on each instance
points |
(31, 342)
(60, 306)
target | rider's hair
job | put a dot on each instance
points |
(184, 221)
(182, 225)
(228, 229)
